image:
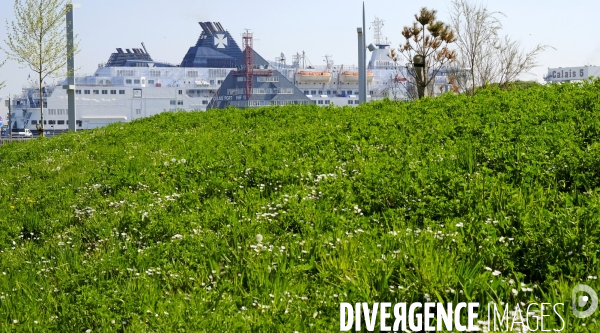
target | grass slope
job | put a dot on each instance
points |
(266, 219)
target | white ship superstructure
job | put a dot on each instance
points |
(132, 85)
(120, 94)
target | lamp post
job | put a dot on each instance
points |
(70, 86)
(9, 118)
(362, 56)
(361, 67)
(419, 67)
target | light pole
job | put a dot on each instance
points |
(362, 66)
(70, 86)
(9, 118)
(419, 67)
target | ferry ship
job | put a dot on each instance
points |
(131, 85)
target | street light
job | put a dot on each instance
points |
(71, 67)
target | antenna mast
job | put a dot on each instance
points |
(377, 35)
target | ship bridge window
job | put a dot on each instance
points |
(78, 92)
(121, 92)
(267, 79)
(104, 92)
(136, 81)
(96, 92)
(217, 72)
(313, 92)
(320, 92)
(126, 72)
(87, 92)
(113, 92)
(128, 81)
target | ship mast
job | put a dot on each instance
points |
(377, 35)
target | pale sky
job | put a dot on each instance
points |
(169, 28)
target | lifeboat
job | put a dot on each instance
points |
(313, 77)
(352, 77)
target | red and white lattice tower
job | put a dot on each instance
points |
(249, 57)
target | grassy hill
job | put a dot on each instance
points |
(266, 219)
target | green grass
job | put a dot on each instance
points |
(152, 226)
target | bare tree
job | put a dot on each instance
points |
(476, 31)
(514, 61)
(482, 52)
(427, 41)
(37, 39)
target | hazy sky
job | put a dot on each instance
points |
(169, 28)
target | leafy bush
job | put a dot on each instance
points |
(266, 219)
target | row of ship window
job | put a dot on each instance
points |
(97, 92)
(261, 91)
(217, 72)
(332, 92)
(175, 102)
(56, 122)
(260, 79)
(266, 103)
